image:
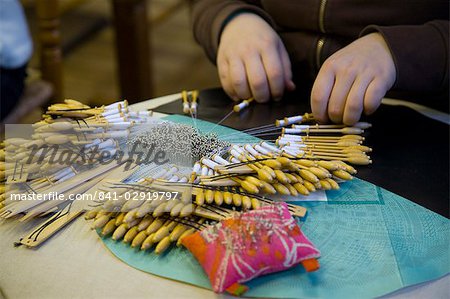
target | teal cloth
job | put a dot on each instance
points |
(372, 242)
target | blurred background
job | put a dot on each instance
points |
(96, 50)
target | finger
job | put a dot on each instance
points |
(374, 94)
(222, 67)
(338, 97)
(355, 100)
(320, 93)
(287, 67)
(238, 78)
(257, 79)
(274, 71)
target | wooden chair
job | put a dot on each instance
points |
(49, 45)
(132, 43)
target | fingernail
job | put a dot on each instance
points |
(262, 100)
(291, 85)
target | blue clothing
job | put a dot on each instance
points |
(16, 46)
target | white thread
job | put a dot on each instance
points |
(261, 149)
(293, 119)
(204, 170)
(220, 160)
(292, 131)
(269, 147)
(211, 164)
(251, 150)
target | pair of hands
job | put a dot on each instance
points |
(252, 62)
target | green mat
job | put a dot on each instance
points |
(372, 243)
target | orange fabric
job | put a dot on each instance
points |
(310, 265)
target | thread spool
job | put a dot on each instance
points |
(244, 104)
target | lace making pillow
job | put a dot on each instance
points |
(251, 244)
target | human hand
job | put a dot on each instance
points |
(353, 80)
(252, 60)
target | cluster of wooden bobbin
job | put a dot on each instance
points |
(162, 221)
(146, 232)
(240, 179)
(326, 142)
(226, 180)
(62, 153)
(265, 169)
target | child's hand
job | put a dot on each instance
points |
(252, 60)
(353, 80)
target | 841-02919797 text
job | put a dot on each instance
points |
(138, 195)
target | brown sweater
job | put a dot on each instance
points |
(417, 32)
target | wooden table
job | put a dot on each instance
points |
(75, 264)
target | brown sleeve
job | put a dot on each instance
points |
(210, 16)
(420, 52)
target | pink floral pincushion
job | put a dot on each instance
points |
(251, 244)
